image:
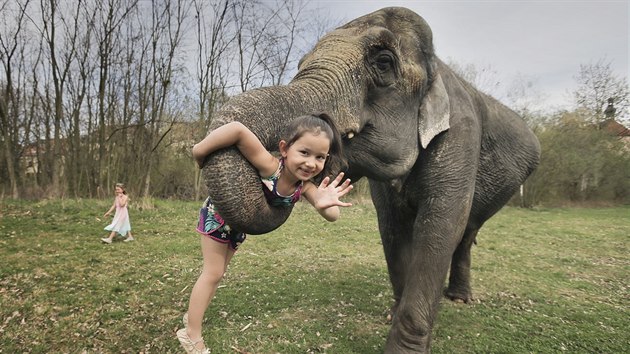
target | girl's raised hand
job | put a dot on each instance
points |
(329, 193)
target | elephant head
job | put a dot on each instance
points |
(376, 76)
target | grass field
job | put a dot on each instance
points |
(545, 281)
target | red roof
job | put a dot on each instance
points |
(615, 128)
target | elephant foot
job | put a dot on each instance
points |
(408, 339)
(460, 297)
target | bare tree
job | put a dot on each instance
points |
(596, 84)
(107, 31)
(78, 90)
(33, 110)
(11, 43)
(59, 72)
(62, 29)
(99, 85)
(484, 78)
(279, 48)
(213, 23)
(165, 36)
(213, 39)
(249, 27)
(266, 34)
(524, 97)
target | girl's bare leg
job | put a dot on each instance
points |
(216, 257)
(110, 238)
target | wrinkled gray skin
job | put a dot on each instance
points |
(441, 157)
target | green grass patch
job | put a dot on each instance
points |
(545, 281)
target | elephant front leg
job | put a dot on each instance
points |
(413, 322)
(424, 278)
(396, 228)
(397, 256)
(438, 227)
(459, 289)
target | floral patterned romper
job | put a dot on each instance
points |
(212, 225)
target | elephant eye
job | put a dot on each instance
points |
(384, 61)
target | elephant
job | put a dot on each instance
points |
(440, 156)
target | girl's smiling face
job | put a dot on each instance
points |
(306, 157)
(118, 191)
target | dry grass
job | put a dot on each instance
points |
(546, 281)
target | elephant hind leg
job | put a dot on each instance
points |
(459, 289)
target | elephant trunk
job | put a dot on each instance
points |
(233, 183)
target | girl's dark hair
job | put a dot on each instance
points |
(315, 124)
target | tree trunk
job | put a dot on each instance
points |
(8, 150)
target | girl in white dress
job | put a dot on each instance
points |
(120, 224)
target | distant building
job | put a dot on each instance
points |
(28, 160)
(614, 128)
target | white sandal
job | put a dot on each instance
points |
(189, 346)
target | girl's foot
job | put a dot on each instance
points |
(190, 346)
(129, 239)
(107, 240)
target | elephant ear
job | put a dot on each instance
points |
(434, 112)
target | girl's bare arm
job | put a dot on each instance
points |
(236, 134)
(111, 209)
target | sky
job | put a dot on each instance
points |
(543, 41)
